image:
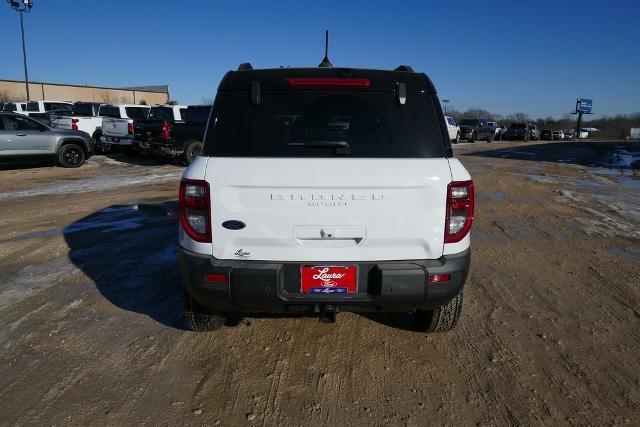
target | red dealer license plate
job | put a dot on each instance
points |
(329, 279)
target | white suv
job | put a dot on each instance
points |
(320, 190)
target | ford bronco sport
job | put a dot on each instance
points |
(325, 189)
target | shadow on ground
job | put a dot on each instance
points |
(614, 154)
(130, 252)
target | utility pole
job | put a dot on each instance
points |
(21, 7)
(445, 102)
(583, 106)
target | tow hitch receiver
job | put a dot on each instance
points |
(328, 313)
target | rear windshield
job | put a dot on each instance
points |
(289, 124)
(470, 122)
(161, 113)
(196, 114)
(137, 113)
(109, 111)
(9, 107)
(82, 109)
(32, 106)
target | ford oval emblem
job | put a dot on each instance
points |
(234, 225)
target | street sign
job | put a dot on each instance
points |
(583, 106)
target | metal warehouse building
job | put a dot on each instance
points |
(14, 90)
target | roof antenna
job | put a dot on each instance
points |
(325, 62)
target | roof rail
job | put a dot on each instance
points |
(245, 66)
(406, 68)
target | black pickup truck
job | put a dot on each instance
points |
(161, 118)
(180, 140)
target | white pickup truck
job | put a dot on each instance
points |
(118, 123)
(85, 116)
(46, 106)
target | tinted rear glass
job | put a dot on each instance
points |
(197, 114)
(161, 113)
(32, 106)
(470, 122)
(107, 111)
(9, 107)
(137, 112)
(82, 109)
(374, 125)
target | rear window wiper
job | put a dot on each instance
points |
(342, 147)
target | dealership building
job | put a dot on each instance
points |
(15, 90)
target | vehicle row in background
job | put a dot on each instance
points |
(557, 135)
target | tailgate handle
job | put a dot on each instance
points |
(355, 234)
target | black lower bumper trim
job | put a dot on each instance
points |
(267, 287)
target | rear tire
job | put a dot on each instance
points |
(473, 137)
(489, 139)
(200, 318)
(191, 151)
(455, 141)
(100, 147)
(71, 156)
(441, 319)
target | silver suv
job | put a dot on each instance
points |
(22, 137)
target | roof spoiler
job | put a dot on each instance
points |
(406, 68)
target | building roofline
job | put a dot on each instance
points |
(88, 86)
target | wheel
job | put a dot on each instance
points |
(191, 151)
(200, 318)
(473, 137)
(441, 319)
(526, 138)
(490, 138)
(100, 147)
(71, 156)
(455, 141)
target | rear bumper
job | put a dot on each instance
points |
(115, 140)
(270, 287)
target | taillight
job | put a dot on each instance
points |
(459, 210)
(195, 209)
(130, 128)
(74, 124)
(166, 130)
(328, 82)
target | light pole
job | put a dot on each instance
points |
(445, 102)
(22, 7)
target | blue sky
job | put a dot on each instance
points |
(504, 56)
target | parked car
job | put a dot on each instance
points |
(534, 133)
(497, 131)
(22, 137)
(557, 135)
(517, 131)
(15, 107)
(289, 186)
(476, 129)
(569, 135)
(545, 135)
(182, 140)
(118, 123)
(85, 116)
(46, 106)
(453, 129)
(157, 125)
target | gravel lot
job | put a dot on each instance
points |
(92, 327)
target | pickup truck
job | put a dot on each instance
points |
(182, 140)
(46, 106)
(474, 129)
(161, 119)
(118, 123)
(14, 107)
(85, 116)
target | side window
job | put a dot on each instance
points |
(451, 121)
(137, 112)
(183, 112)
(22, 123)
(2, 127)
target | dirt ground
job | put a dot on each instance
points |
(92, 330)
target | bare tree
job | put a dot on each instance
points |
(6, 96)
